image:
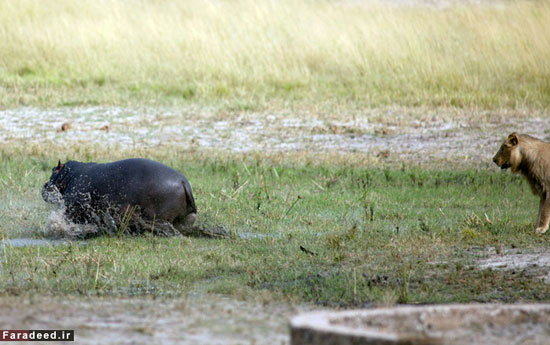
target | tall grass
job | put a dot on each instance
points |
(260, 52)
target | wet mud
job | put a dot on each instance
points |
(536, 263)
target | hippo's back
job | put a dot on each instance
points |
(140, 167)
(159, 191)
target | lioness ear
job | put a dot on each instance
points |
(512, 139)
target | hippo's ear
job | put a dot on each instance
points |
(512, 139)
(59, 166)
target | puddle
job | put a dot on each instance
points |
(396, 134)
(25, 242)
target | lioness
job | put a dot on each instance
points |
(530, 157)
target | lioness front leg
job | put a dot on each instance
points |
(544, 215)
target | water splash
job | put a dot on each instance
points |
(58, 226)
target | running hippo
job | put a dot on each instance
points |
(110, 194)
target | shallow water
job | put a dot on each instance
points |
(25, 242)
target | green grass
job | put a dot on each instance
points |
(378, 235)
(256, 55)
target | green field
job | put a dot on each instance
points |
(369, 235)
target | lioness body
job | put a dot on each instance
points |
(530, 157)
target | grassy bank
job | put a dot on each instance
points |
(340, 234)
(250, 55)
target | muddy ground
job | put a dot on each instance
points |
(195, 319)
(535, 262)
(473, 324)
(393, 135)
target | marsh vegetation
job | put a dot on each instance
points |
(336, 233)
(345, 145)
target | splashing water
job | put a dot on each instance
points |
(58, 226)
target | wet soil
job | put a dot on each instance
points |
(195, 319)
(419, 135)
(536, 263)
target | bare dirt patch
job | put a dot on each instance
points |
(419, 135)
(536, 263)
(196, 319)
(443, 324)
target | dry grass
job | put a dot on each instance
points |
(253, 53)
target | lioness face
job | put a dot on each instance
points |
(508, 154)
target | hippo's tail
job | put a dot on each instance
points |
(191, 206)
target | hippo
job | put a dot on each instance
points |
(108, 194)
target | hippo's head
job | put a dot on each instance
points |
(53, 189)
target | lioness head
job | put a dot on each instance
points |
(508, 155)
